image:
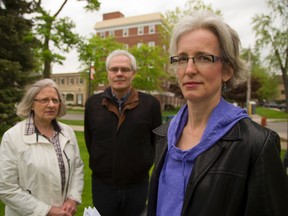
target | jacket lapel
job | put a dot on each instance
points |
(206, 160)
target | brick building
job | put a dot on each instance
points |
(131, 31)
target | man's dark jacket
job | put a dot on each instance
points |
(241, 175)
(120, 144)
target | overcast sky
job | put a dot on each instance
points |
(237, 13)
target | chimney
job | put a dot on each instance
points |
(112, 15)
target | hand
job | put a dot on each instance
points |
(56, 211)
(70, 206)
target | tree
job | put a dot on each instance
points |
(272, 36)
(151, 65)
(94, 53)
(150, 62)
(173, 16)
(17, 61)
(58, 31)
(263, 84)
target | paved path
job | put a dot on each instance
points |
(280, 127)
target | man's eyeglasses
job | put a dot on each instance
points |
(47, 100)
(198, 61)
(122, 69)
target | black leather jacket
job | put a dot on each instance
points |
(242, 174)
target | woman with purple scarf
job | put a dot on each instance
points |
(211, 158)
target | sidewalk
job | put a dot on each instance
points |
(77, 127)
(282, 133)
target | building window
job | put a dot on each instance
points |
(111, 33)
(69, 97)
(126, 46)
(79, 99)
(151, 43)
(71, 81)
(62, 81)
(139, 45)
(80, 80)
(140, 30)
(102, 34)
(151, 29)
(125, 32)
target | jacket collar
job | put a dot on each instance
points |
(31, 139)
(203, 162)
(234, 134)
(132, 99)
(130, 103)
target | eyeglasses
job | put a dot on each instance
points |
(198, 61)
(122, 69)
(47, 100)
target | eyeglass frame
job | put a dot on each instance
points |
(121, 69)
(176, 64)
(47, 100)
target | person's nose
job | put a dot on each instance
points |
(190, 67)
(51, 103)
(119, 72)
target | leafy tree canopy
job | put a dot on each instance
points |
(17, 63)
(271, 30)
(56, 33)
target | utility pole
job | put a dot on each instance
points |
(248, 97)
(89, 80)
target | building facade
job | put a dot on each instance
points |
(131, 31)
(73, 86)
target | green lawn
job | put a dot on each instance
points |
(271, 113)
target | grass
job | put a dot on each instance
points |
(72, 122)
(271, 113)
(87, 196)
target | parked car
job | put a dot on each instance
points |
(282, 107)
(271, 104)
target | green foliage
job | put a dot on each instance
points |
(56, 32)
(172, 17)
(16, 58)
(271, 32)
(94, 53)
(268, 88)
(263, 84)
(151, 64)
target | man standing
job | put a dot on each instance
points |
(118, 135)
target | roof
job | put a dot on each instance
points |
(125, 21)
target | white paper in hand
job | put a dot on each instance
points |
(91, 212)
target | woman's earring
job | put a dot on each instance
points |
(224, 87)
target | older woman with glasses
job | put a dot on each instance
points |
(41, 172)
(211, 158)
